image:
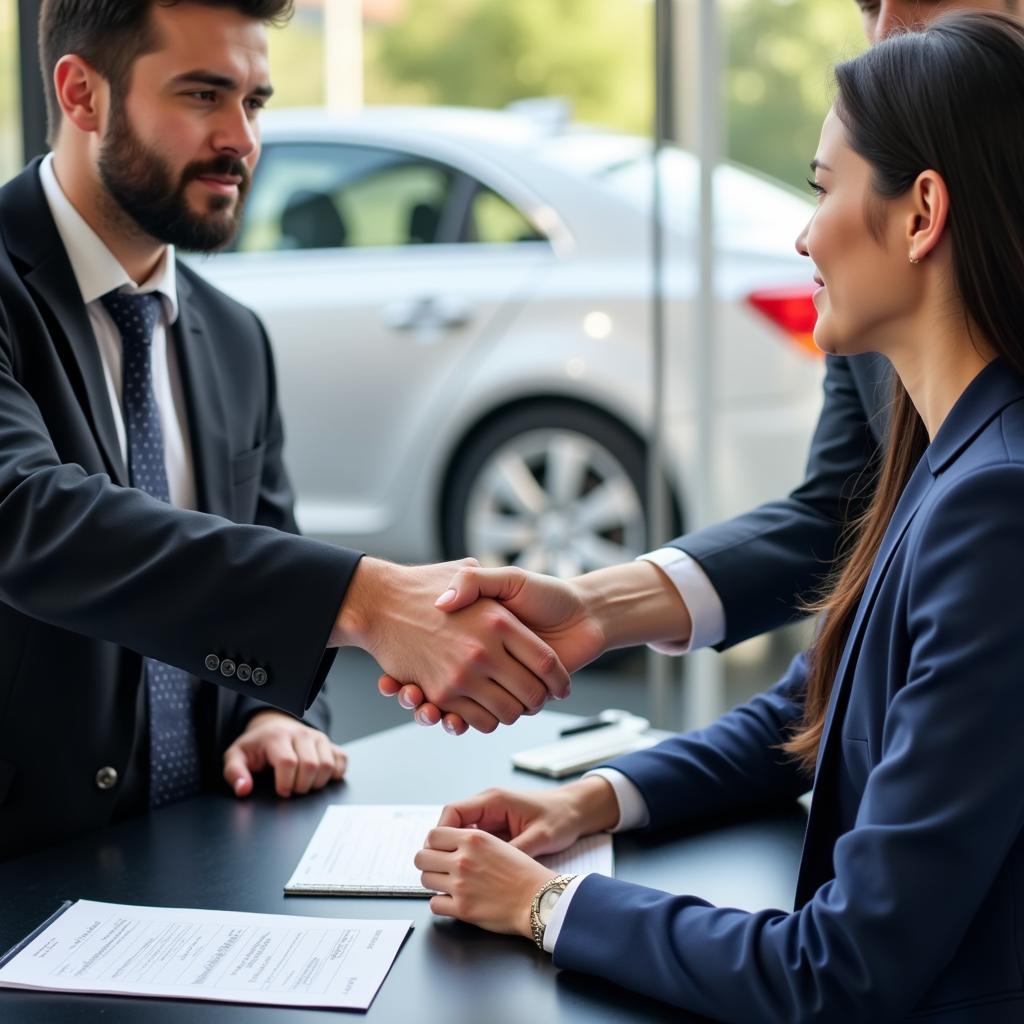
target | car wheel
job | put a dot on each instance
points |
(550, 487)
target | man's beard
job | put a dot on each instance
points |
(142, 185)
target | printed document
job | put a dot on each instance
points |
(368, 850)
(269, 959)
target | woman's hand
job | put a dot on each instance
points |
(481, 879)
(540, 821)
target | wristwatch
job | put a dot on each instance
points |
(543, 905)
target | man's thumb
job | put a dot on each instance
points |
(470, 585)
(236, 771)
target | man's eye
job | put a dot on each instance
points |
(206, 95)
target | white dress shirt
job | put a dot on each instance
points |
(97, 272)
(701, 599)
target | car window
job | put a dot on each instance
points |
(323, 196)
(494, 220)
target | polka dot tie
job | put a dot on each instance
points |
(173, 744)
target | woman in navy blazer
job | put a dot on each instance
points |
(908, 711)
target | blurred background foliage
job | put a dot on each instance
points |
(597, 53)
(10, 122)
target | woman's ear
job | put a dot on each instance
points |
(926, 223)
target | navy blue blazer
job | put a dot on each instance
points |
(910, 898)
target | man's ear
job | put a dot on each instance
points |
(82, 92)
(926, 222)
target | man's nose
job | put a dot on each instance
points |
(235, 132)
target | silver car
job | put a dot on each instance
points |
(460, 305)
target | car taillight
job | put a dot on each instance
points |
(791, 309)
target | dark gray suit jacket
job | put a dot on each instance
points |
(95, 574)
(765, 563)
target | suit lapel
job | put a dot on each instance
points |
(32, 239)
(920, 482)
(211, 448)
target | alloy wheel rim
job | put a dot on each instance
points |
(554, 501)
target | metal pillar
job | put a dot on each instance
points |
(33, 102)
(703, 694)
(688, 108)
(662, 671)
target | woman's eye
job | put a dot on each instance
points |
(815, 187)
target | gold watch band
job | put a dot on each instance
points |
(537, 926)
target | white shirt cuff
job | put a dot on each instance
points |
(554, 927)
(633, 811)
(707, 616)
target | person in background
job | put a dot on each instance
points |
(905, 715)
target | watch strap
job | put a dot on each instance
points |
(537, 926)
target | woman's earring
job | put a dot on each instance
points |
(913, 259)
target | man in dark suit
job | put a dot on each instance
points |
(148, 539)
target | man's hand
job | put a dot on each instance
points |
(481, 879)
(302, 758)
(480, 663)
(538, 821)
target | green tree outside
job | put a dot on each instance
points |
(10, 121)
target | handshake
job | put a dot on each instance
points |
(474, 647)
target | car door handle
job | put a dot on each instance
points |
(427, 316)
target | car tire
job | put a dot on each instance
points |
(553, 486)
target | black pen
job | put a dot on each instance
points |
(586, 725)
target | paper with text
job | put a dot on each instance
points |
(368, 850)
(269, 959)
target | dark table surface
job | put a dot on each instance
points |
(219, 853)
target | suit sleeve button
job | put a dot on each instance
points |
(212, 662)
(259, 676)
(243, 673)
(106, 778)
(227, 668)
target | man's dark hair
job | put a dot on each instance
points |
(112, 34)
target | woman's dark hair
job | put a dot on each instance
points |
(112, 34)
(949, 99)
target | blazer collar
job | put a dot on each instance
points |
(991, 391)
(32, 239)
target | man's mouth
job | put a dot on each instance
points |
(224, 184)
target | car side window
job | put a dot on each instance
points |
(496, 221)
(327, 196)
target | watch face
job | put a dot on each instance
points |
(547, 905)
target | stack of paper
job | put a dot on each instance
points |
(369, 850)
(272, 959)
